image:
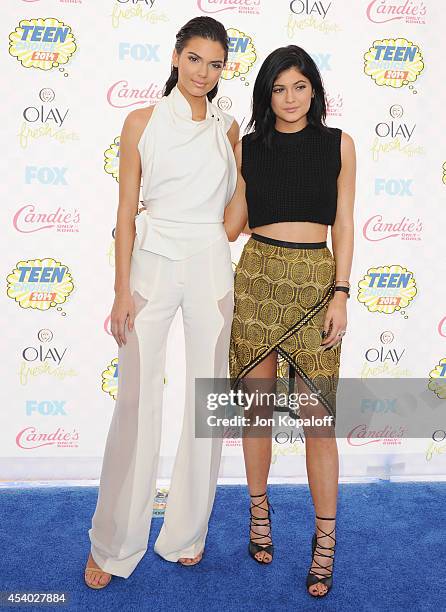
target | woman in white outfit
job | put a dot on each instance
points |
(174, 254)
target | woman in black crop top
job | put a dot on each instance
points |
(296, 178)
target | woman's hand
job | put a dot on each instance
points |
(123, 312)
(335, 320)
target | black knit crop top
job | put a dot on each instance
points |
(295, 179)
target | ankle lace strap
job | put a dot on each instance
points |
(323, 518)
(264, 497)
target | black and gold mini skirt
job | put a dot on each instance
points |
(282, 291)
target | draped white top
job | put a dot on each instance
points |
(189, 175)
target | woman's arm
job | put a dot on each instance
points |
(236, 212)
(342, 238)
(342, 233)
(129, 188)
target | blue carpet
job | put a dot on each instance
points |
(390, 554)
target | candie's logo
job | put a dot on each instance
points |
(40, 284)
(31, 437)
(387, 289)
(411, 11)
(42, 43)
(393, 62)
(111, 159)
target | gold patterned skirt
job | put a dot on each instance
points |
(282, 291)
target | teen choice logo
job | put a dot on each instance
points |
(241, 55)
(394, 62)
(110, 378)
(43, 43)
(111, 159)
(437, 379)
(40, 284)
(444, 173)
(387, 289)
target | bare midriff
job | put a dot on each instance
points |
(294, 231)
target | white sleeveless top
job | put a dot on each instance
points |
(189, 175)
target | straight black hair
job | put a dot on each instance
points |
(263, 119)
(203, 27)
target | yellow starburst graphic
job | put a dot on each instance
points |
(242, 55)
(42, 43)
(387, 289)
(110, 378)
(40, 284)
(437, 379)
(393, 62)
(111, 156)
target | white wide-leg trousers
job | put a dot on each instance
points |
(202, 285)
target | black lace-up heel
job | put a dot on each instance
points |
(256, 521)
(319, 573)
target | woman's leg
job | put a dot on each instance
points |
(322, 463)
(121, 522)
(257, 447)
(207, 316)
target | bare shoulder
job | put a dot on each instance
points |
(347, 142)
(136, 121)
(347, 148)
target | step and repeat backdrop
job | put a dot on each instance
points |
(72, 71)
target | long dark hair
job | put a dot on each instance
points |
(203, 27)
(263, 119)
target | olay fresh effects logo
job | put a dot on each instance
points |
(310, 7)
(395, 135)
(393, 62)
(144, 10)
(121, 95)
(45, 120)
(395, 127)
(28, 219)
(242, 7)
(44, 358)
(43, 351)
(46, 113)
(40, 284)
(410, 11)
(437, 379)
(42, 43)
(111, 159)
(30, 438)
(378, 228)
(383, 360)
(387, 289)
(241, 56)
(310, 14)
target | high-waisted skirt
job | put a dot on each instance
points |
(282, 292)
